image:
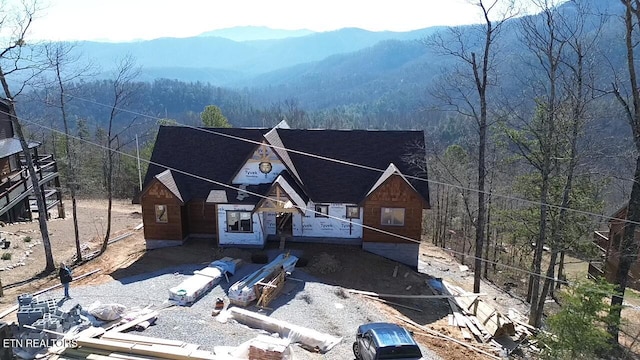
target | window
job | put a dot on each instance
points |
(161, 214)
(353, 212)
(322, 210)
(239, 221)
(392, 216)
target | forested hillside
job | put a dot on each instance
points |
(528, 120)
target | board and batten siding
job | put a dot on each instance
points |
(257, 238)
(202, 218)
(393, 193)
(158, 234)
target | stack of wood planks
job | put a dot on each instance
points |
(475, 317)
(245, 291)
(114, 345)
(270, 288)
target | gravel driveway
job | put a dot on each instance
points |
(310, 303)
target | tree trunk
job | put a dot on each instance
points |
(629, 246)
(50, 265)
(537, 262)
(548, 284)
(561, 276)
(71, 174)
(628, 251)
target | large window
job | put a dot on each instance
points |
(239, 221)
(322, 210)
(161, 214)
(392, 216)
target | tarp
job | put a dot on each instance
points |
(202, 281)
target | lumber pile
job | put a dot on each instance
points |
(125, 346)
(474, 314)
(270, 288)
(247, 289)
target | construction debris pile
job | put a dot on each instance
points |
(479, 323)
(264, 284)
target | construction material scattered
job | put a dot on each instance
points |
(308, 338)
(134, 319)
(125, 346)
(393, 303)
(251, 286)
(495, 323)
(443, 296)
(191, 289)
(443, 336)
(262, 347)
(15, 307)
(106, 312)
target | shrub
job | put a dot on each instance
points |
(6, 256)
(27, 239)
(578, 330)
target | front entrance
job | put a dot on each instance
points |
(284, 224)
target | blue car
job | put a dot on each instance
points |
(377, 341)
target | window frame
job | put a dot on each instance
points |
(351, 207)
(239, 221)
(382, 216)
(161, 217)
(318, 210)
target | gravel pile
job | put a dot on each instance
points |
(307, 303)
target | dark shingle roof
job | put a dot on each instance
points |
(206, 155)
(327, 181)
(212, 156)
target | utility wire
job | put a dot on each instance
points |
(297, 207)
(431, 181)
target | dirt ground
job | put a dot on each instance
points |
(334, 265)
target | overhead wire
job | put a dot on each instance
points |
(348, 163)
(402, 237)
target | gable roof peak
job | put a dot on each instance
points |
(391, 170)
(282, 125)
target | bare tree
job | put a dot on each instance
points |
(16, 57)
(59, 57)
(123, 89)
(630, 102)
(471, 100)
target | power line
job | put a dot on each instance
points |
(430, 181)
(297, 207)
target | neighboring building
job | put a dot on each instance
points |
(241, 186)
(17, 201)
(612, 251)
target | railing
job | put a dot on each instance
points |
(596, 270)
(18, 185)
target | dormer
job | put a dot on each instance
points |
(262, 167)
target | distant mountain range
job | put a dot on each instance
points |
(249, 33)
(342, 68)
(221, 61)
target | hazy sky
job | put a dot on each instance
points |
(126, 20)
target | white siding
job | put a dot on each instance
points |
(336, 225)
(256, 238)
(250, 174)
(269, 222)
